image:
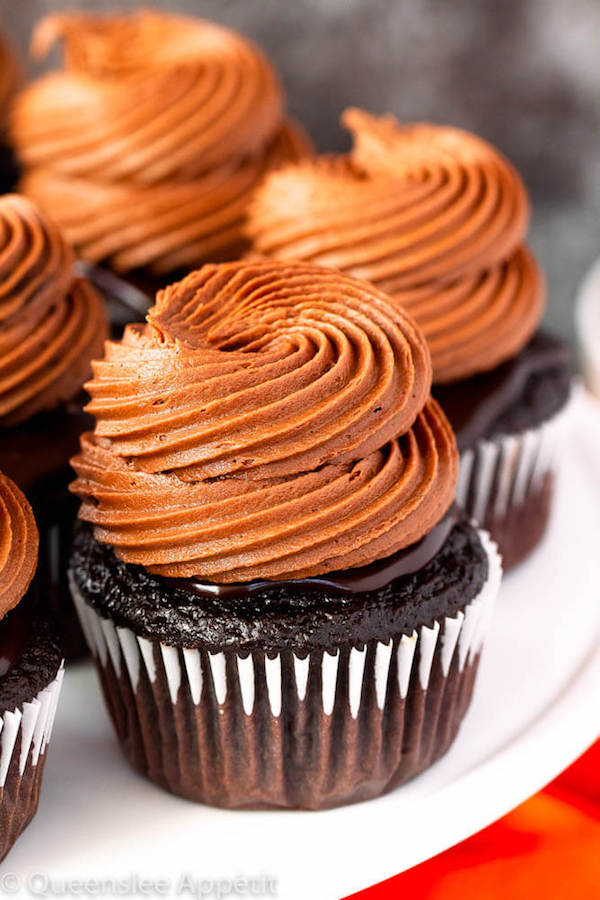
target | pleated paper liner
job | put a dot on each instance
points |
(506, 485)
(24, 736)
(262, 730)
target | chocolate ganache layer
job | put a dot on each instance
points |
(272, 420)
(304, 616)
(434, 216)
(353, 581)
(522, 393)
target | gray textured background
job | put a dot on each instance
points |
(523, 73)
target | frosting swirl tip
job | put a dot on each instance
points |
(270, 419)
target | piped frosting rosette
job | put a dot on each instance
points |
(51, 322)
(153, 114)
(18, 545)
(433, 216)
(165, 226)
(270, 420)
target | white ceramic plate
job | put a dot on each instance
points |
(535, 710)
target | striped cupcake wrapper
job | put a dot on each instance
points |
(264, 729)
(24, 736)
(504, 479)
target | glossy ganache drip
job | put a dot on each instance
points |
(433, 216)
(174, 119)
(349, 583)
(18, 545)
(51, 323)
(271, 420)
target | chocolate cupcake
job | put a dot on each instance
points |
(437, 218)
(147, 146)
(284, 607)
(31, 670)
(9, 77)
(52, 324)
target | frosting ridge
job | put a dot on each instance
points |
(146, 96)
(169, 225)
(433, 216)
(18, 545)
(51, 323)
(269, 420)
(173, 118)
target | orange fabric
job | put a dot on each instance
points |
(548, 847)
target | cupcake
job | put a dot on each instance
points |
(9, 77)
(51, 325)
(437, 218)
(30, 669)
(147, 145)
(284, 605)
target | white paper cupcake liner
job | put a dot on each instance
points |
(286, 729)
(26, 731)
(24, 736)
(498, 477)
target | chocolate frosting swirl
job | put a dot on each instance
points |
(477, 322)
(170, 225)
(18, 545)
(146, 96)
(174, 120)
(433, 216)
(51, 323)
(271, 420)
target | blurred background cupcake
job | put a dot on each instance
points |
(147, 144)
(9, 79)
(285, 607)
(524, 74)
(30, 669)
(437, 219)
(52, 323)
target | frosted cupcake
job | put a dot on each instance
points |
(52, 324)
(437, 218)
(284, 606)
(30, 670)
(148, 144)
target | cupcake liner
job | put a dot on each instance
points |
(283, 729)
(24, 736)
(506, 484)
